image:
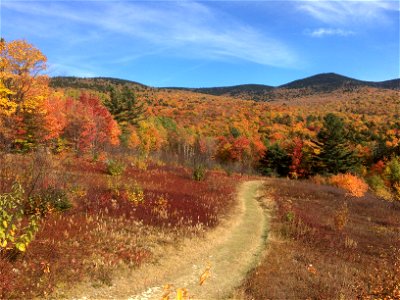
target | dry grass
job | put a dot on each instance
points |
(309, 257)
(221, 257)
(105, 230)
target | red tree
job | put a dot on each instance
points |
(90, 125)
(296, 169)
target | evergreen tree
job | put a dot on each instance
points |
(124, 106)
(335, 156)
(381, 150)
(275, 160)
(126, 109)
(114, 105)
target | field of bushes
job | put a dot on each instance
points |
(93, 218)
(327, 243)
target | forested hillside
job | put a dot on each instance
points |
(317, 84)
(291, 136)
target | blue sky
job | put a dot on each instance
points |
(210, 43)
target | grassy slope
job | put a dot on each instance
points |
(105, 231)
(309, 257)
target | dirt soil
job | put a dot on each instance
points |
(229, 252)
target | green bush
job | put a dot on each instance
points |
(392, 170)
(392, 173)
(115, 167)
(47, 200)
(290, 216)
(377, 184)
(199, 172)
(59, 145)
(17, 229)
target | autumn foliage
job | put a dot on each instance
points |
(298, 135)
(90, 126)
(351, 183)
(23, 91)
(230, 149)
(32, 114)
(133, 135)
(22, 82)
(296, 169)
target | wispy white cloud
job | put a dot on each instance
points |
(57, 69)
(322, 32)
(183, 28)
(349, 12)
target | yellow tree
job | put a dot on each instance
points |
(23, 90)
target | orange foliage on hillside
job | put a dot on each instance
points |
(232, 130)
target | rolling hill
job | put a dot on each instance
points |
(317, 84)
(331, 81)
(320, 83)
(96, 83)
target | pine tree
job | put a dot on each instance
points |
(124, 106)
(335, 156)
(381, 150)
(275, 160)
(126, 109)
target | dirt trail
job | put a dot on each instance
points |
(231, 250)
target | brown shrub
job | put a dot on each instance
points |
(341, 217)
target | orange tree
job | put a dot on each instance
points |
(23, 90)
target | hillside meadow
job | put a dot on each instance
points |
(326, 243)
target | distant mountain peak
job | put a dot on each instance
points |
(327, 82)
(323, 80)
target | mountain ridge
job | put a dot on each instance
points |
(321, 77)
(319, 83)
